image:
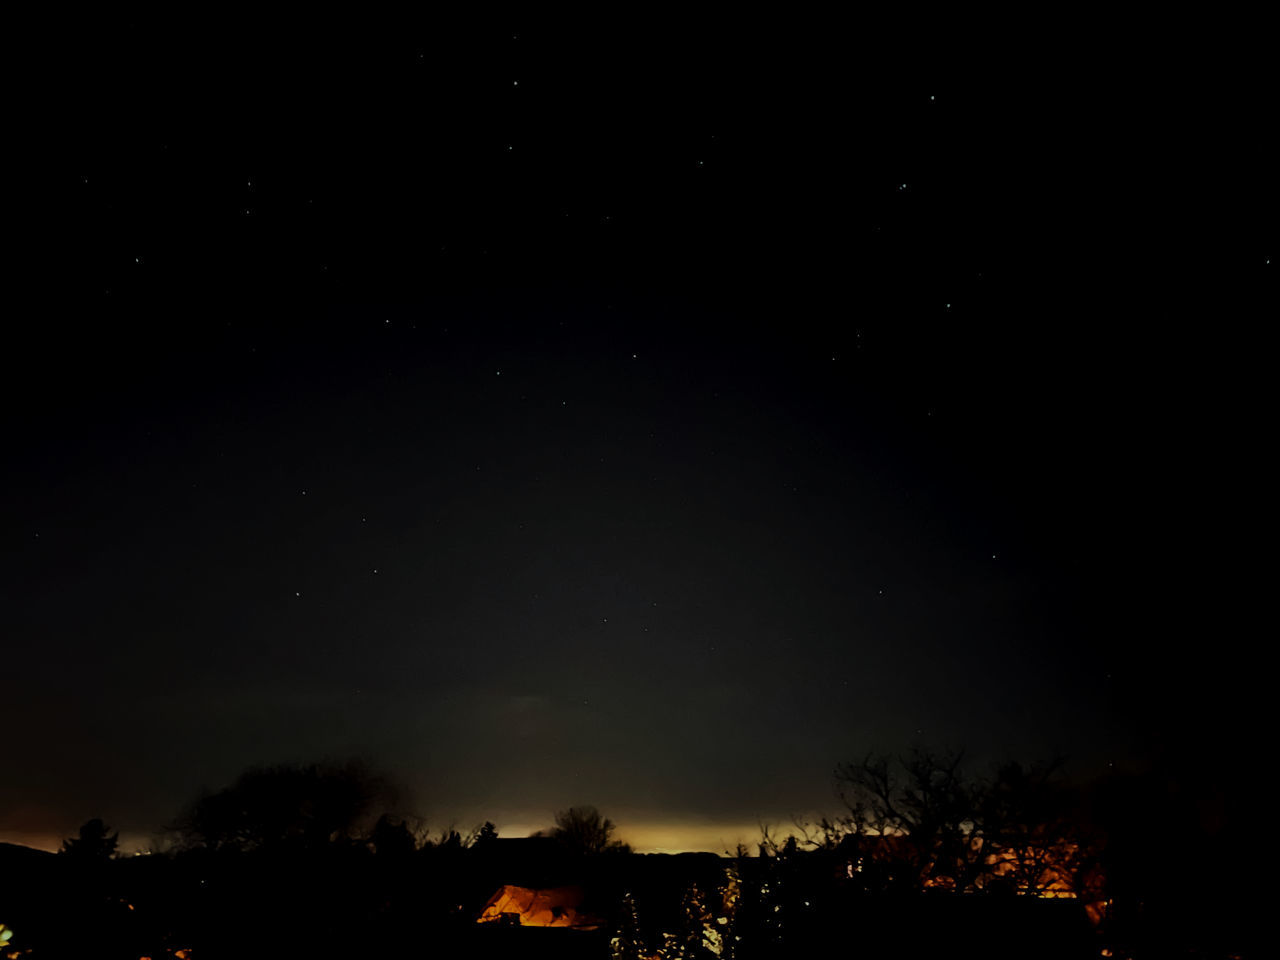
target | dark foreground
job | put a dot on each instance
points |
(207, 907)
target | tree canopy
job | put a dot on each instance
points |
(95, 842)
(286, 804)
(583, 830)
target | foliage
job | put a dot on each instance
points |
(392, 838)
(269, 807)
(627, 943)
(582, 830)
(93, 844)
(920, 822)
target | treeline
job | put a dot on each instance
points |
(925, 856)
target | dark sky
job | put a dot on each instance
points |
(634, 416)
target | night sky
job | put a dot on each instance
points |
(636, 416)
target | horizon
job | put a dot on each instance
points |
(644, 832)
(654, 415)
(643, 838)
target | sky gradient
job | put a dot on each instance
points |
(549, 423)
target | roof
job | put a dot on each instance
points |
(549, 907)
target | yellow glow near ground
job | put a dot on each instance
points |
(645, 836)
(681, 835)
(41, 841)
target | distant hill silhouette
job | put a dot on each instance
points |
(18, 853)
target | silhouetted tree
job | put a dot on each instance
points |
(268, 806)
(627, 944)
(583, 830)
(93, 844)
(925, 804)
(919, 822)
(450, 840)
(391, 838)
(697, 937)
(485, 834)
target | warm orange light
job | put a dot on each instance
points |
(555, 907)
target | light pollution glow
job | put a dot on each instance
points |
(645, 836)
